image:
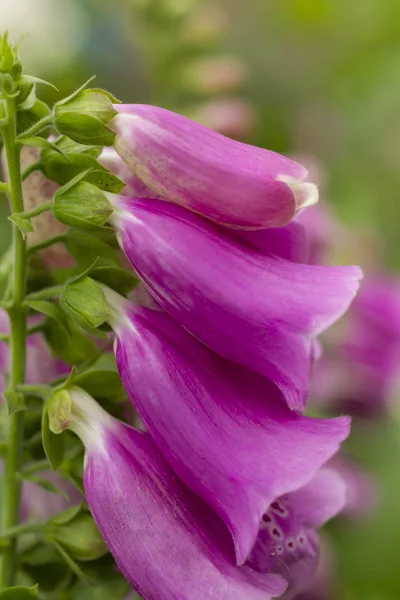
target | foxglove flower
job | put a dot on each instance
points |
(359, 370)
(288, 541)
(213, 421)
(290, 242)
(255, 309)
(133, 185)
(165, 540)
(227, 181)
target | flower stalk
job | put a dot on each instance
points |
(17, 315)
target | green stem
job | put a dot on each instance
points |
(56, 239)
(35, 166)
(37, 127)
(39, 465)
(50, 292)
(17, 314)
(13, 532)
(38, 210)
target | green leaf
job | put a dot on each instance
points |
(53, 444)
(101, 383)
(43, 81)
(50, 310)
(39, 142)
(86, 248)
(67, 515)
(20, 593)
(117, 279)
(15, 401)
(105, 180)
(43, 483)
(24, 225)
(72, 565)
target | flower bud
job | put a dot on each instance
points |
(81, 204)
(85, 301)
(84, 116)
(79, 537)
(229, 182)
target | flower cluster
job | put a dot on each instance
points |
(222, 495)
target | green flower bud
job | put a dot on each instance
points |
(79, 537)
(81, 204)
(85, 301)
(84, 117)
(59, 409)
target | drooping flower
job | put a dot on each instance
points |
(227, 181)
(288, 541)
(224, 430)
(254, 309)
(133, 185)
(166, 541)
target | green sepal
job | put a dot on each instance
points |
(24, 225)
(53, 444)
(20, 593)
(85, 301)
(39, 142)
(85, 248)
(101, 383)
(116, 278)
(85, 129)
(15, 401)
(66, 515)
(78, 536)
(81, 205)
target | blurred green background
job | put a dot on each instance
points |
(320, 80)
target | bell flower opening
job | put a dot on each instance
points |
(235, 184)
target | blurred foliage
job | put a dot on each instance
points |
(323, 77)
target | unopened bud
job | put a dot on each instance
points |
(84, 117)
(85, 301)
(59, 409)
(82, 205)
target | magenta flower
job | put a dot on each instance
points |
(290, 242)
(360, 370)
(133, 185)
(213, 421)
(227, 181)
(288, 541)
(254, 309)
(165, 540)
